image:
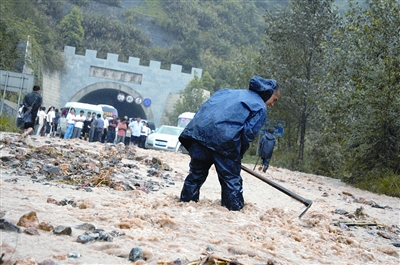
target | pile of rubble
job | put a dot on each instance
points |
(66, 162)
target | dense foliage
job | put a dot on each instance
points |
(341, 82)
(192, 97)
(362, 106)
(24, 26)
(292, 52)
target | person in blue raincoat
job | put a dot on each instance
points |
(266, 148)
(220, 133)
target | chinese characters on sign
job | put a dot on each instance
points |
(115, 75)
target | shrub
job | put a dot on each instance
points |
(382, 182)
(7, 124)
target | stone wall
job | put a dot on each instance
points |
(51, 90)
(87, 71)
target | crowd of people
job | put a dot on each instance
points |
(92, 127)
(97, 128)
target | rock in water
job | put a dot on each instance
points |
(136, 254)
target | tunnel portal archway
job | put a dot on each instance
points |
(109, 97)
(107, 92)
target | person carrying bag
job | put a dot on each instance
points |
(32, 103)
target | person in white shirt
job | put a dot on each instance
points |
(105, 127)
(143, 134)
(41, 119)
(136, 127)
(78, 125)
(70, 123)
(20, 122)
(20, 110)
(51, 114)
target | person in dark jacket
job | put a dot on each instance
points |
(31, 102)
(266, 149)
(220, 133)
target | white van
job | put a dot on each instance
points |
(185, 118)
(78, 106)
(109, 111)
(183, 121)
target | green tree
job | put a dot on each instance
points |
(191, 98)
(207, 82)
(362, 105)
(105, 35)
(71, 30)
(244, 65)
(293, 56)
(26, 38)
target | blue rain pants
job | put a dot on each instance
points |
(228, 170)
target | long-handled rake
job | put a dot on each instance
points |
(306, 202)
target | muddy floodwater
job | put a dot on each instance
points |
(74, 202)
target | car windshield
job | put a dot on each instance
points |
(78, 110)
(170, 130)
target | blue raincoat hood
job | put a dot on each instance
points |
(263, 87)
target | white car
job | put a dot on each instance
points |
(165, 138)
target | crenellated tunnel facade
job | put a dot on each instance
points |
(135, 90)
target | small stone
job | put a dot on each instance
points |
(156, 160)
(106, 237)
(115, 233)
(119, 187)
(176, 262)
(6, 225)
(347, 193)
(86, 227)
(72, 203)
(45, 226)
(396, 244)
(340, 211)
(28, 220)
(167, 167)
(74, 255)
(384, 234)
(62, 230)
(360, 212)
(84, 239)
(209, 249)
(136, 254)
(53, 201)
(50, 169)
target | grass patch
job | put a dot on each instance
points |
(152, 8)
(388, 185)
(7, 124)
(250, 159)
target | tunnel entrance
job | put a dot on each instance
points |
(109, 97)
